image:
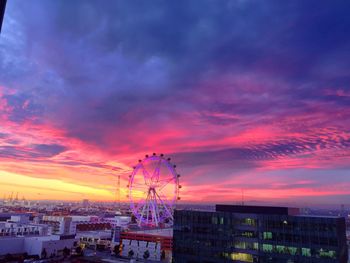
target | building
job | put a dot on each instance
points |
(19, 225)
(257, 234)
(60, 225)
(91, 226)
(156, 243)
(119, 221)
(36, 245)
(18, 229)
(98, 240)
(85, 203)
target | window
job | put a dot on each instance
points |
(306, 252)
(267, 248)
(242, 257)
(267, 235)
(327, 253)
(280, 249)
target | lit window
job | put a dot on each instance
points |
(242, 257)
(306, 252)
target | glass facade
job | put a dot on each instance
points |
(234, 237)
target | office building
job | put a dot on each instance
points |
(257, 234)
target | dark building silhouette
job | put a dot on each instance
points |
(2, 12)
(257, 234)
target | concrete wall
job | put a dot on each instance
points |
(12, 245)
(34, 245)
(52, 244)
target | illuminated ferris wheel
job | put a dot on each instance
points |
(153, 190)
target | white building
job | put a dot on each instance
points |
(35, 245)
(139, 248)
(23, 219)
(82, 219)
(156, 242)
(118, 220)
(60, 225)
(18, 229)
(100, 238)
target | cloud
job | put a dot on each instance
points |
(227, 88)
(31, 152)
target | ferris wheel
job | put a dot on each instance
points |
(153, 190)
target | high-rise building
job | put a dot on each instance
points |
(257, 234)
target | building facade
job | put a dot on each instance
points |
(155, 243)
(60, 225)
(257, 234)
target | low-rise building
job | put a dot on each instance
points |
(12, 229)
(154, 244)
(41, 246)
(95, 239)
(60, 225)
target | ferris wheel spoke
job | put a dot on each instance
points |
(166, 179)
(160, 192)
(140, 204)
(155, 175)
(147, 177)
(165, 206)
(165, 184)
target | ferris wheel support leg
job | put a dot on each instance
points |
(141, 217)
(143, 210)
(147, 212)
(165, 207)
(157, 209)
(154, 204)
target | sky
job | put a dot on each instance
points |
(245, 96)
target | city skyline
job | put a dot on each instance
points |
(244, 96)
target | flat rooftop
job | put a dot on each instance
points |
(252, 209)
(164, 232)
(94, 234)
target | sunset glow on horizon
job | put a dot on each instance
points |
(246, 97)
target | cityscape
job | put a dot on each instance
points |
(188, 131)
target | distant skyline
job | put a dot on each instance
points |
(251, 95)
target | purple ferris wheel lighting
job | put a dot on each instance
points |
(153, 191)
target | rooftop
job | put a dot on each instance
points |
(165, 232)
(251, 209)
